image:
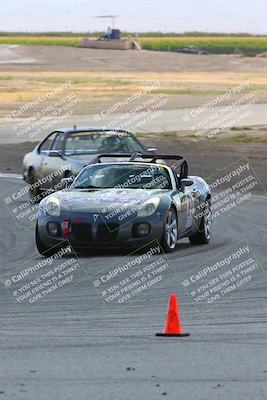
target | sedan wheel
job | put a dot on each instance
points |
(208, 224)
(204, 231)
(33, 191)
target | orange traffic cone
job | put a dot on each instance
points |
(173, 326)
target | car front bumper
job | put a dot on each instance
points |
(85, 232)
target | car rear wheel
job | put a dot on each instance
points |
(170, 234)
(204, 232)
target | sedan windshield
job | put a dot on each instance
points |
(123, 176)
(101, 142)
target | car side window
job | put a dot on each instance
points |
(46, 145)
(132, 144)
(58, 142)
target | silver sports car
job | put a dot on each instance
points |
(127, 204)
(65, 152)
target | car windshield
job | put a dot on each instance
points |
(95, 142)
(123, 176)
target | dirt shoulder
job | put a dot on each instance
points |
(202, 161)
(60, 58)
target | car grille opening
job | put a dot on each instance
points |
(107, 232)
(82, 232)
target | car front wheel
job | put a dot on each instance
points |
(170, 234)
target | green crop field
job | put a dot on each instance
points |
(41, 40)
(214, 44)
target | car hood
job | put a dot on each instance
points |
(104, 200)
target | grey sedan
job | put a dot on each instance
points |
(65, 152)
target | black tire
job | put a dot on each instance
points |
(204, 232)
(35, 193)
(170, 233)
(68, 174)
(42, 248)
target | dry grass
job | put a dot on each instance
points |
(97, 90)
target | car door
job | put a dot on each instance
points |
(189, 204)
(184, 203)
(53, 166)
(43, 149)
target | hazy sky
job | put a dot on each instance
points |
(135, 15)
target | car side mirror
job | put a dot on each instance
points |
(152, 150)
(55, 153)
(66, 182)
(186, 182)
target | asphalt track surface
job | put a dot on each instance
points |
(73, 347)
(8, 56)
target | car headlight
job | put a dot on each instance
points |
(52, 206)
(149, 207)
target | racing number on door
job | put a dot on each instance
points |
(189, 210)
(184, 204)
